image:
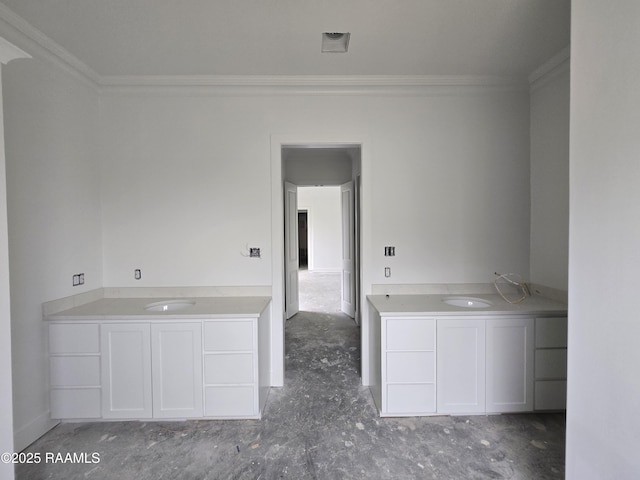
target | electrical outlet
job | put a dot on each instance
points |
(254, 252)
(387, 272)
(137, 274)
(389, 251)
(81, 278)
(75, 280)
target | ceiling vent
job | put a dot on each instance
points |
(334, 42)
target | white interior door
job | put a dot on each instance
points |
(348, 294)
(291, 294)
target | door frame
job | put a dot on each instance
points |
(277, 241)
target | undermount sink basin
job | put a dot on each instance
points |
(467, 302)
(169, 305)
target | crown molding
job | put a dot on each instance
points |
(45, 47)
(550, 68)
(309, 81)
(8, 52)
(403, 85)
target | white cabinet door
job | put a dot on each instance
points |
(461, 365)
(176, 352)
(126, 370)
(292, 262)
(509, 364)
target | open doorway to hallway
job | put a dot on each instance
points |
(319, 244)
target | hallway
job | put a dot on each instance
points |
(321, 425)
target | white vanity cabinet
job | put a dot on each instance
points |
(461, 365)
(114, 359)
(74, 370)
(510, 359)
(509, 364)
(551, 363)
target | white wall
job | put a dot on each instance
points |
(550, 179)
(185, 182)
(451, 189)
(603, 408)
(324, 227)
(54, 218)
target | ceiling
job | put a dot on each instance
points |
(282, 37)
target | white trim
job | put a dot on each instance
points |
(310, 80)
(548, 70)
(36, 428)
(307, 90)
(38, 44)
(8, 52)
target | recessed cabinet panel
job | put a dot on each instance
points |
(228, 335)
(461, 365)
(75, 403)
(228, 368)
(74, 371)
(230, 402)
(551, 395)
(126, 371)
(509, 364)
(410, 367)
(411, 399)
(551, 332)
(74, 338)
(551, 364)
(177, 370)
(410, 334)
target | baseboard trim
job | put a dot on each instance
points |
(32, 431)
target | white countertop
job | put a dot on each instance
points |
(134, 309)
(434, 305)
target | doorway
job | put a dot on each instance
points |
(319, 242)
(303, 239)
(334, 169)
(318, 171)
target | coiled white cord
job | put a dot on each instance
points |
(514, 280)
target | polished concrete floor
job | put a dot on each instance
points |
(321, 425)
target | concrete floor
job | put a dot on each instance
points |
(321, 425)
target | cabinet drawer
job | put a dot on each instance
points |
(411, 334)
(551, 395)
(70, 338)
(229, 368)
(411, 367)
(75, 403)
(551, 364)
(74, 371)
(411, 399)
(228, 335)
(229, 402)
(551, 332)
